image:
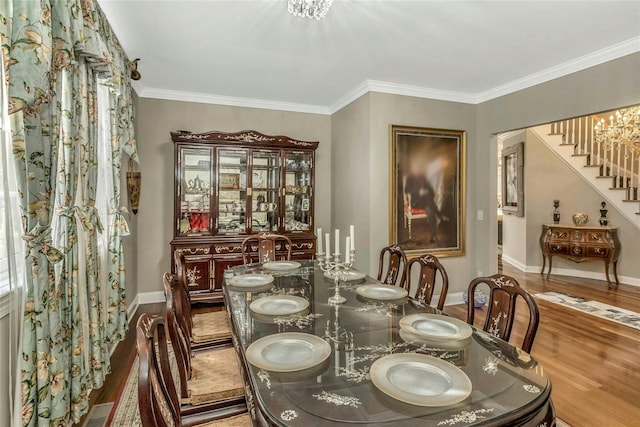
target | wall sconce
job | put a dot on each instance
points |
(133, 66)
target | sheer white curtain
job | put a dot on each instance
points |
(12, 268)
(105, 197)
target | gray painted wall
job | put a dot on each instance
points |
(156, 118)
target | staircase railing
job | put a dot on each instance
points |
(618, 159)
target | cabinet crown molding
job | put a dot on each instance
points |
(245, 137)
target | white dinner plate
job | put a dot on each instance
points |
(348, 276)
(382, 292)
(281, 265)
(250, 280)
(435, 327)
(420, 380)
(279, 305)
(288, 352)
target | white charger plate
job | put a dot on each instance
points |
(281, 265)
(449, 345)
(250, 280)
(435, 327)
(288, 352)
(381, 292)
(420, 380)
(279, 305)
(351, 275)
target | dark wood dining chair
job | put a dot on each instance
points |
(207, 376)
(430, 269)
(504, 292)
(202, 328)
(157, 394)
(392, 269)
(263, 247)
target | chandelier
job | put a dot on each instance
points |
(623, 128)
(310, 8)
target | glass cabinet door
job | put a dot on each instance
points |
(195, 192)
(265, 191)
(232, 191)
(298, 191)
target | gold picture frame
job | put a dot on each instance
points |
(427, 190)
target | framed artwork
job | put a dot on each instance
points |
(427, 190)
(513, 179)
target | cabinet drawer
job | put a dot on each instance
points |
(560, 235)
(597, 236)
(578, 235)
(558, 248)
(598, 251)
(577, 250)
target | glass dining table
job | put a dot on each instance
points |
(352, 380)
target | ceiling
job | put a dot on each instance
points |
(255, 53)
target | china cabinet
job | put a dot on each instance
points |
(579, 244)
(231, 185)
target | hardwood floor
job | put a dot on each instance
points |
(594, 364)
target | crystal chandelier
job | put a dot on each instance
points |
(310, 8)
(622, 128)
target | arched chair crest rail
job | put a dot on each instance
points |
(157, 394)
(430, 269)
(265, 247)
(501, 309)
(392, 269)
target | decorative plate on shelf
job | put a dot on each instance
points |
(279, 305)
(288, 352)
(281, 265)
(381, 292)
(420, 380)
(435, 327)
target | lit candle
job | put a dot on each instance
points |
(319, 236)
(352, 234)
(337, 242)
(347, 254)
(327, 241)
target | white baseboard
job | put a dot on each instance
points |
(583, 274)
(132, 307)
(517, 264)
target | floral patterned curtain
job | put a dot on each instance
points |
(54, 51)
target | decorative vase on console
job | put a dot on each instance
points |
(556, 211)
(580, 219)
(603, 214)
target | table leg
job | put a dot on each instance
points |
(544, 261)
(550, 265)
(615, 272)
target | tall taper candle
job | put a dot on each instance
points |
(319, 237)
(337, 241)
(327, 241)
(347, 253)
(352, 234)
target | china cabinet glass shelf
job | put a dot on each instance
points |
(231, 185)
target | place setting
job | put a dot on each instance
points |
(253, 282)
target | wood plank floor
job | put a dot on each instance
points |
(594, 364)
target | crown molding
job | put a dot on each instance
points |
(203, 98)
(598, 57)
(592, 59)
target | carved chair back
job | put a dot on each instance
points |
(504, 292)
(179, 339)
(392, 269)
(430, 269)
(183, 308)
(157, 396)
(262, 247)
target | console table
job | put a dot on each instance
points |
(581, 244)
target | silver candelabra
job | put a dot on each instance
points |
(340, 271)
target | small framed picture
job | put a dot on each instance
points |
(513, 179)
(305, 204)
